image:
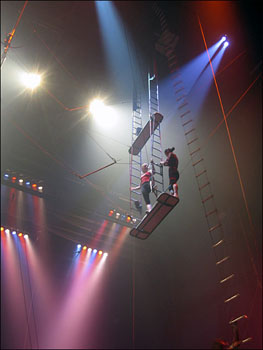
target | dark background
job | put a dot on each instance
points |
(162, 292)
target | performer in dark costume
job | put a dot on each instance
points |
(145, 185)
(172, 162)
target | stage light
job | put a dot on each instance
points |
(105, 254)
(226, 43)
(103, 115)
(30, 80)
(89, 250)
(84, 247)
(223, 38)
(28, 183)
(34, 186)
(117, 215)
(20, 234)
(20, 181)
(40, 188)
(100, 252)
(94, 250)
(2, 228)
(13, 178)
(111, 212)
(128, 218)
(123, 217)
(14, 233)
(7, 231)
(78, 246)
(25, 235)
(6, 176)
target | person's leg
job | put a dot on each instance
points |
(146, 195)
(175, 189)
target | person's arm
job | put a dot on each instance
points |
(153, 168)
(135, 188)
(164, 162)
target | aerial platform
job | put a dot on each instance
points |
(164, 204)
(145, 134)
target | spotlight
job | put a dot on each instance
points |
(117, 215)
(89, 250)
(25, 235)
(20, 181)
(40, 188)
(100, 252)
(223, 38)
(20, 234)
(123, 217)
(7, 231)
(2, 228)
(13, 232)
(28, 183)
(94, 250)
(30, 80)
(111, 212)
(105, 254)
(128, 218)
(6, 176)
(226, 43)
(84, 247)
(34, 186)
(78, 246)
(13, 178)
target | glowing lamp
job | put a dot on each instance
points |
(105, 254)
(6, 176)
(84, 247)
(30, 80)
(7, 231)
(20, 234)
(78, 246)
(100, 252)
(117, 215)
(94, 250)
(128, 218)
(14, 233)
(111, 212)
(123, 217)
(89, 250)
(34, 186)
(223, 38)
(13, 178)
(2, 229)
(26, 235)
(40, 188)
(226, 43)
(20, 181)
(28, 183)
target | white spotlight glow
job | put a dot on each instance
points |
(226, 43)
(31, 80)
(104, 116)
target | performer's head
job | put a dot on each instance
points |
(144, 167)
(168, 151)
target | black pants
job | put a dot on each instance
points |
(146, 190)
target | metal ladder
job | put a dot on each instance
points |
(156, 145)
(136, 160)
(215, 229)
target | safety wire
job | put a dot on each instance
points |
(233, 152)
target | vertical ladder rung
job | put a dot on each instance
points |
(227, 278)
(188, 121)
(202, 172)
(214, 227)
(222, 260)
(198, 161)
(188, 132)
(211, 212)
(183, 105)
(203, 186)
(206, 199)
(184, 114)
(237, 319)
(231, 298)
(198, 149)
(189, 143)
(218, 243)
